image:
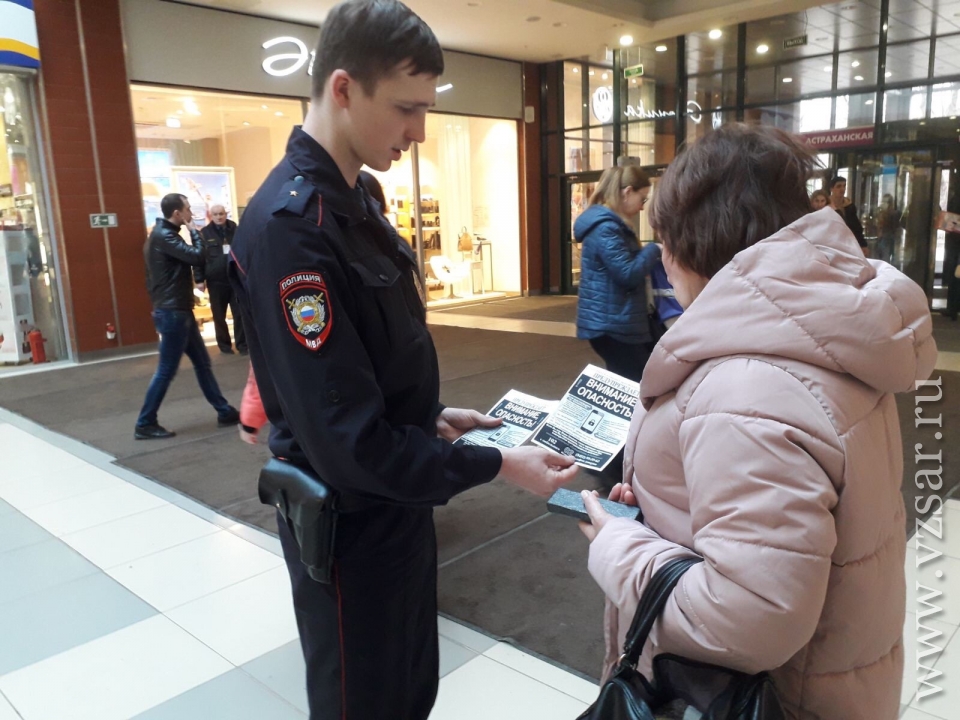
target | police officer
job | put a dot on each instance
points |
(348, 372)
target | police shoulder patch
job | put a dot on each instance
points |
(307, 308)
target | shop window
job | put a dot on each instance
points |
(659, 61)
(29, 291)
(706, 121)
(652, 142)
(856, 69)
(905, 104)
(574, 108)
(855, 110)
(947, 56)
(711, 91)
(469, 205)
(582, 154)
(945, 100)
(789, 80)
(214, 148)
(712, 50)
(908, 62)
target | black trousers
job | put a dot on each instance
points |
(221, 295)
(369, 638)
(626, 360)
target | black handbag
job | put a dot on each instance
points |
(680, 688)
(310, 508)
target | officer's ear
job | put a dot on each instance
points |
(341, 86)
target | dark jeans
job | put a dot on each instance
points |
(951, 257)
(369, 638)
(624, 359)
(628, 361)
(221, 295)
(179, 334)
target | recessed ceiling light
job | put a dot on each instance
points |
(278, 113)
(715, 34)
(533, 18)
(855, 63)
(591, 73)
(634, 81)
(869, 102)
(888, 74)
(828, 68)
(788, 80)
(661, 48)
(923, 122)
(264, 107)
(858, 78)
(604, 76)
(245, 122)
(763, 49)
(626, 40)
(953, 117)
(576, 69)
(187, 142)
(173, 122)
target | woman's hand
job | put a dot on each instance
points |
(623, 493)
(454, 422)
(598, 516)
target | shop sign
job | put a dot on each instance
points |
(848, 137)
(288, 63)
(793, 42)
(103, 220)
(633, 71)
(639, 112)
(18, 34)
(602, 103)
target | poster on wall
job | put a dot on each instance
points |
(204, 188)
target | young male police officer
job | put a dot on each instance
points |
(348, 372)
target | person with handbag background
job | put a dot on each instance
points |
(768, 445)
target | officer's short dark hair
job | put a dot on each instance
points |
(372, 38)
(729, 190)
(171, 203)
(836, 181)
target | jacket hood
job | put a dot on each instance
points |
(808, 294)
(593, 216)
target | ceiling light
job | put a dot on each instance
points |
(715, 34)
(828, 68)
(604, 76)
(858, 78)
(788, 80)
(444, 88)
(634, 81)
(888, 74)
(591, 73)
(661, 48)
(953, 117)
(762, 49)
(173, 122)
(869, 102)
(923, 122)
(576, 69)
(278, 113)
(245, 122)
(187, 142)
(626, 40)
(855, 63)
(264, 107)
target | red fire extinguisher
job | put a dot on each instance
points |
(35, 338)
(111, 331)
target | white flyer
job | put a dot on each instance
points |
(522, 414)
(593, 417)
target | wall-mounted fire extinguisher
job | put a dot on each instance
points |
(111, 331)
(36, 340)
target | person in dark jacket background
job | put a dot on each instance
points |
(169, 261)
(216, 238)
(612, 312)
(847, 210)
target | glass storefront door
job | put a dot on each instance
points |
(29, 277)
(577, 192)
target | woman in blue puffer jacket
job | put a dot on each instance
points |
(612, 310)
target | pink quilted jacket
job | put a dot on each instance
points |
(769, 443)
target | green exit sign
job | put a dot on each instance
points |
(633, 71)
(103, 220)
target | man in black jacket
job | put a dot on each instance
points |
(847, 210)
(216, 239)
(169, 280)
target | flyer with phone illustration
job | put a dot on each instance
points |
(593, 417)
(522, 414)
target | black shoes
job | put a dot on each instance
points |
(243, 351)
(152, 432)
(231, 417)
(226, 351)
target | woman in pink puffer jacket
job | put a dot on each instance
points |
(769, 441)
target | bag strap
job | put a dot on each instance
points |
(652, 602)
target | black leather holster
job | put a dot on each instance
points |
(309, 506)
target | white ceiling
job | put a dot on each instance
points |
(543, 30)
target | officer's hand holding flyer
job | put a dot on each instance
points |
(521, 414)
(592, 419)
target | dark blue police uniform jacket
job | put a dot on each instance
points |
(346, 367)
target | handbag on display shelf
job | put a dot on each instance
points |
(465, 242)
(681, 689)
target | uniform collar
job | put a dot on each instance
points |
(311, 160)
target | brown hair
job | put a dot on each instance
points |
(370, 39)
(613, 181)
(819, 193)
(730, 190)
